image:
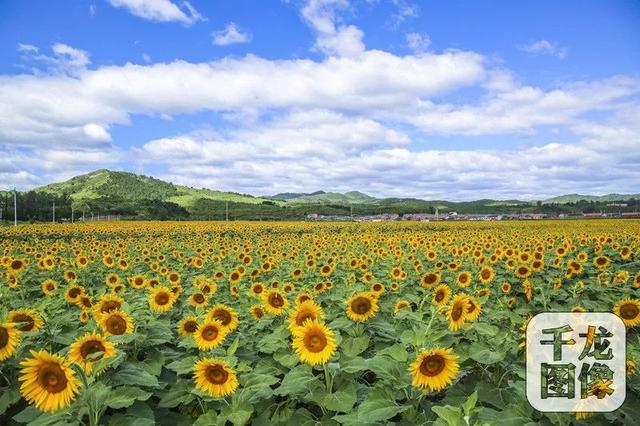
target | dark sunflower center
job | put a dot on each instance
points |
(257, 289)
(377, 287)
(463, 278)
(432, 365)
(361, 305)
(198, 298)
(50, 287)
(190, 326)
(258, 313)
(629, 311)
(90, 347)
(110, 305)
(16, 264)
(223, 316)
(74, 292)
(601, 261)
(162, 298)
(4, 337)
(523, 271)
(439, 296)
(276, 300)
(471, 308)
(52, 378)
(116, 325)
(456, 312)
(315, 341)
(486, 275)
(210, 333)
(217, 375)
(30, 323)
(303, 316)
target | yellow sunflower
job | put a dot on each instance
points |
(430, 279)
(304, 311)
(188, 326)
(83, 349)
(257, 312)
(210, 335)
(275, 302)
(214, 377)
(227, 317)
(48, 381)
(115, 323)
(362, 306)
(48, 286)
(9, 340)
(464, 279)
(474, 308)
(30, 320)
(108, 303)
(401, 304)
(457, 312)
(629, 311)
(434, 370)
(314, 343)
(73, 293)
(441, 295)
(161, 299)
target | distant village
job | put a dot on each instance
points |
(452, 216)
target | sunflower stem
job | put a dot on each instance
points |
(328, 379)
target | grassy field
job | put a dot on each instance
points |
(179, 323)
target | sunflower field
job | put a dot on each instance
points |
(215, 323)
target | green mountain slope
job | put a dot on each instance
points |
(352, 197)
(574, 198)
(105, 184)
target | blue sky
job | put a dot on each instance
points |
(436, 99)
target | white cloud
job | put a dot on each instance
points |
(405, 10)
(418, 42)
(332, 38)
(40, 108)
(545, 47)
(65, 59)
(160, 10)
(231, 34)
(92, 10)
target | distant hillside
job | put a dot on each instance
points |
(285, 196)
(352, 197)
(574, 198)
(133, 196)
(106, 184)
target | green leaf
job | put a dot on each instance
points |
(183, 365)
(231, 350)
(125, 396)
(378, 406)
(341, 400)
(130, 374)
(451, 415)
(238, 414)
(484, 355)
(9, 397)
(27, 415)
(397, 352)
(179, 393)
(274, 341)
(286, 358)
(485, 329)
(470, 403)
(354, 365)
(153, 363)
(352, 346)
(207, 419)
(296, 382)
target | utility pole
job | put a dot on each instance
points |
(226, 207)
(54, 212)
(71, 213)
(15, 207)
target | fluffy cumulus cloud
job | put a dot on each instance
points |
(160, 10)
(231, 34)
(356, 118)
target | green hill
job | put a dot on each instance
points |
(105, 185)
(352, 197)
(574, 198)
